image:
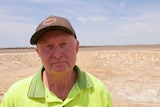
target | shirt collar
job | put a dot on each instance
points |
(37, 88)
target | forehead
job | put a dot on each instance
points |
(55, 34)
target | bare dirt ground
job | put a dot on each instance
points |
(131, 73)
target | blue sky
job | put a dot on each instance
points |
(96, 22)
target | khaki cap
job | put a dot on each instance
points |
(52, 23)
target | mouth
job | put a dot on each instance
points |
(58, 63)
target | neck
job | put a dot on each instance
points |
(60, 84)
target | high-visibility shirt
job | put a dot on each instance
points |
(88, 91)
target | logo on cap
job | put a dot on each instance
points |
(49, 21)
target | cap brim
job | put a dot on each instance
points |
(36, 36)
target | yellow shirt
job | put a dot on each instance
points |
(88, 91)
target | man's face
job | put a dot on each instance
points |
(57, 50)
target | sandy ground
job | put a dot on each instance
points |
(131, 73)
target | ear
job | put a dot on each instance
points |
(77, 45)
(37, 50)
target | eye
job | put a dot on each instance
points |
(63, 44)
(49, 46)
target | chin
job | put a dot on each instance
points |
(60, 70)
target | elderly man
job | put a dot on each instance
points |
(59, 83)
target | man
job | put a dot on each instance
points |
(59, 83)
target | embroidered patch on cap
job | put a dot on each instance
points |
(49, 21)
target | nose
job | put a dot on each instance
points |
(57, 52)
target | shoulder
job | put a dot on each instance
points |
(99, 86)
(19, 86)
(84, 77)
(100, 90)
(22, 83)
(16, 92)
(96, 81)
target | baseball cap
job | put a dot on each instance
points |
(52, 23)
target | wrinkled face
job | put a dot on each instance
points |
(57, 50)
